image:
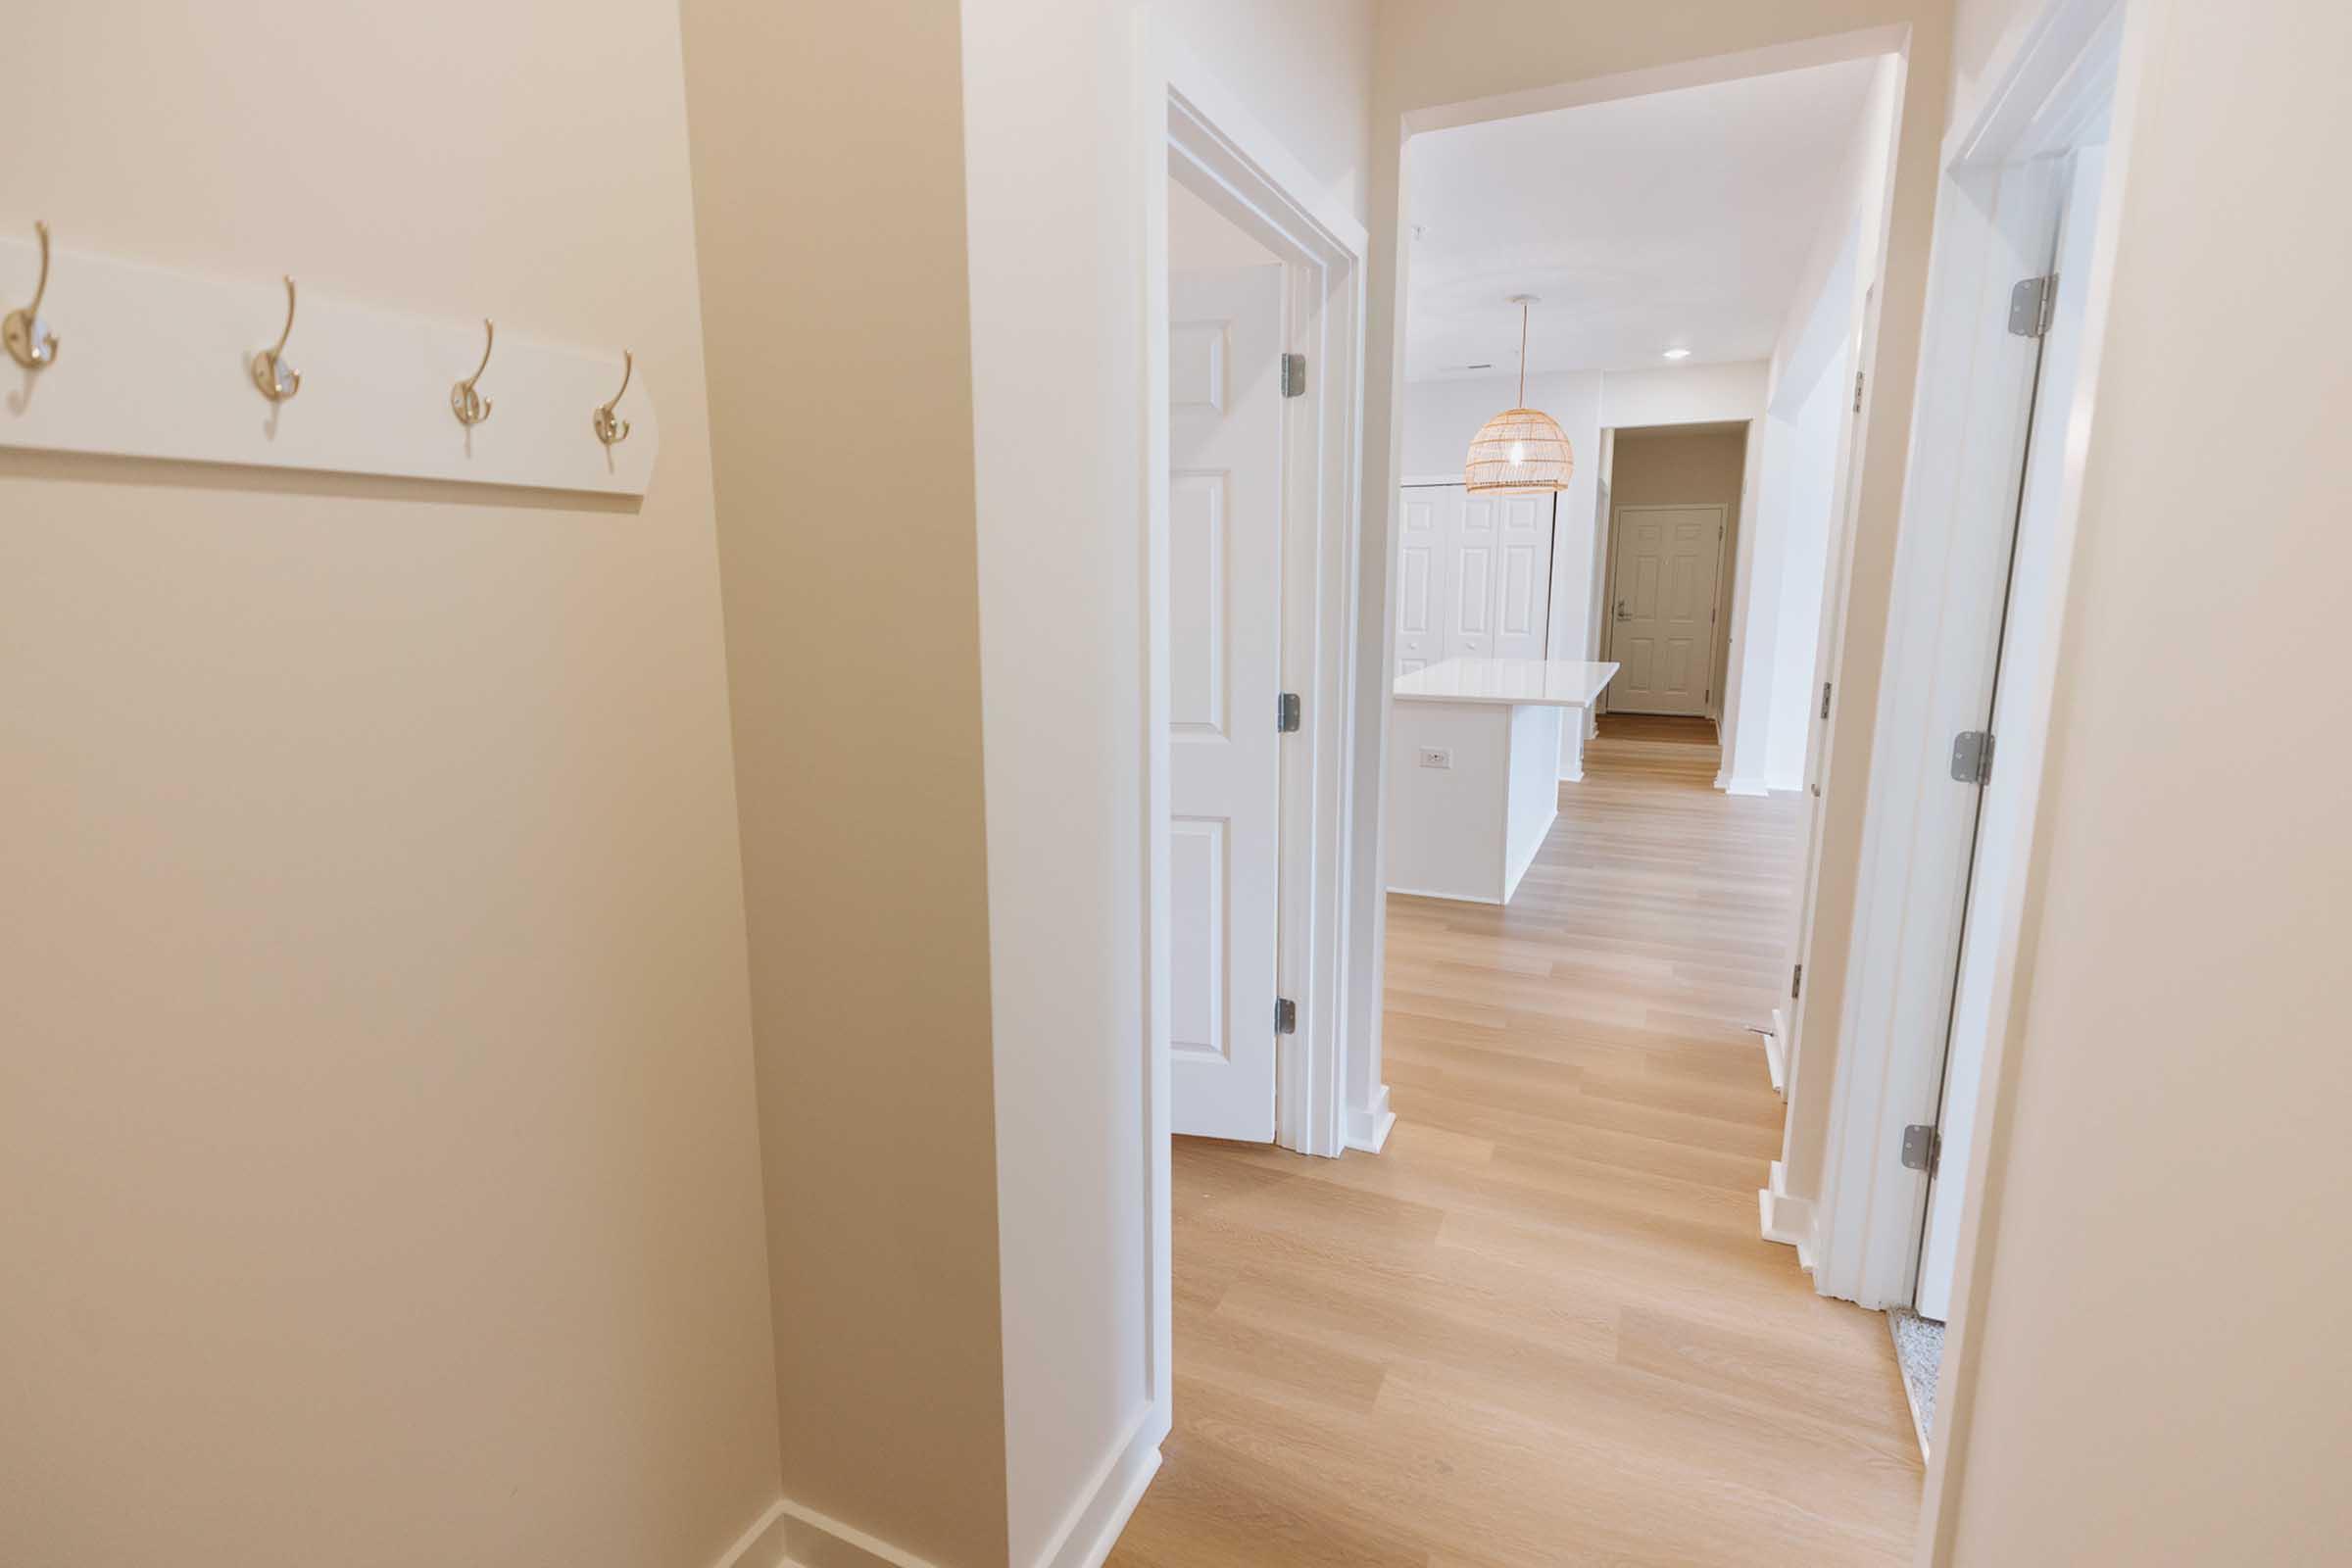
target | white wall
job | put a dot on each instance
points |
(1683, 394)
(1805, 520)
(2151, 1340)
(1200, 237)
(1441, 418)
(1773, 692)
(1303, 68)
(1054, 195)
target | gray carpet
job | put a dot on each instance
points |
(1919, 1352)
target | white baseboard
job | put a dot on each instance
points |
(1450, 897)
(1093, 1525)
(1574, 777)
(1746, 786)
(791, 1535)
(761, 1546)
(1785, 1219)
(1369, 1129)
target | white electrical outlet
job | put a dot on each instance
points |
(1435, 757)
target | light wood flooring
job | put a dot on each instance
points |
(1540, 1329)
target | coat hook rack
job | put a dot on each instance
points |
(469, 405)
(271, 374)
(30, 341)
(610, 429)
(166, 365)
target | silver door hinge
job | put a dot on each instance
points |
(1286, 1016)
(1921, 1148)
(1293, 376)
(1857, 391)
(1971, 757)
(1796, 983)
(1825, 699)
(2033, 304)
(1286, 715)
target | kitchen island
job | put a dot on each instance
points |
(1474, 770)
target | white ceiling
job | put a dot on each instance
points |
(1675, 219)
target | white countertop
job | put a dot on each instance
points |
(1513, 682)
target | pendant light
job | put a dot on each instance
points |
(1521, 451)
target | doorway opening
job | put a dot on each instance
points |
(1252, 284)
(2012, 335)
(1589, 917)
(1673, 537)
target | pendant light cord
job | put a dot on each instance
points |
(1523, 356)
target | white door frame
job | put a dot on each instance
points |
(1718, 623)
(1967, 439)
(2059, 68)
(1187, 120)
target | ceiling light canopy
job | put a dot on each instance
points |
(1520, 450)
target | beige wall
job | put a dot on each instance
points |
(2157, 1373)
(375, 1125)
(920, 236)
(1431, 54)
(1700, 468)
(829, 170)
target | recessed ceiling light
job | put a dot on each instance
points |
(1678, 354)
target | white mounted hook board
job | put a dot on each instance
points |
(157, 363)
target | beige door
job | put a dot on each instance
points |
(1662, 609)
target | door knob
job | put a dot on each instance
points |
(1621, 614)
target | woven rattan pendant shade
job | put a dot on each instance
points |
(1520, 450)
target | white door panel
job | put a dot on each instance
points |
(1423, 582)
(2019, 718)
(1473, 575)
(1224, 671)
(1662, 627)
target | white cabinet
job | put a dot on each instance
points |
(1473, 575)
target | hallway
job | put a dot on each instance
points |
(1541, 1329)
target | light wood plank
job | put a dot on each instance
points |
(1541, 1329)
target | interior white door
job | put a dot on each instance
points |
(1424, 514)
(1662, 619)
(2020, 703)
(1473, 575)
(1224, 671)
(1828, 649)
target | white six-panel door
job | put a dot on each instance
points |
(1224, 673)
(1423, 580)
(1662, 609)
(1473, 575)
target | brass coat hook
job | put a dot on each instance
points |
(470, 405)
(271, 374)
(30, 341)
(610, 429)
